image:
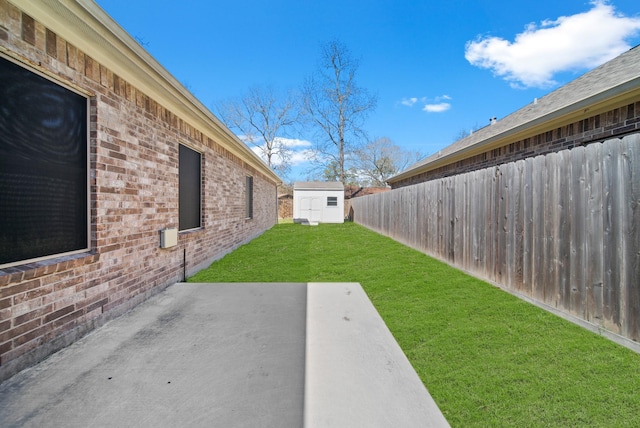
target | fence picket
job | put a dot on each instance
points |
(563, 215)
(633, 241)
(594, 229)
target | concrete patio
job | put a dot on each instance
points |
(229, 355)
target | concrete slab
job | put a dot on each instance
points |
(229, 355)
(223, 355)
(356, 373)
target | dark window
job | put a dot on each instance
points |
(332, 201)
(249, 197)
(43, 167)
(189, 188)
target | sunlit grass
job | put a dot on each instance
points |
(486, 357)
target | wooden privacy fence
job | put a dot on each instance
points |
(562, 229)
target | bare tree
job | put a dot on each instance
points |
(381, 159)
(263, 120)
(336, 105)
(465, 133)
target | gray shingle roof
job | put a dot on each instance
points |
(318, 185)
(617, 76)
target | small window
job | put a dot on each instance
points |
(44, 193)
(189, 207)
(249, 197)
(332, 201)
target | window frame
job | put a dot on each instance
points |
(87, 247)
(248, 199)
(331, 199)
(200, 204)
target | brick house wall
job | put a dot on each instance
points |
(624, 119)
(134, 142)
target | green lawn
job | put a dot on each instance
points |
(486, 357)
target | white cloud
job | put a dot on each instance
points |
(301, 157)
(409, 102)
(293, 142)
(436, 108)
(244, 138)
(435, 105)
(580, 41)
(257, 150)
(299, 151)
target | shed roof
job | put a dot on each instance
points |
(593, 92)
(318, 185)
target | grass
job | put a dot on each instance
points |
(486, 357)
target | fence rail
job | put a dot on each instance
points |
(562, 229)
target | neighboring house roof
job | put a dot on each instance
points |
(84, 24)
(318, 185)
(593, 93)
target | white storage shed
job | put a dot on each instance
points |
(318, 202)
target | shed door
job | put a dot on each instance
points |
(311, 208)
(316, 209)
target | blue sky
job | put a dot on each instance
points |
(437, 67)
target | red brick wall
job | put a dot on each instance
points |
(285, 207)
(620, 121)
(134, 194)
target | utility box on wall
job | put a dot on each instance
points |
(168, 238)
(318, 202)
